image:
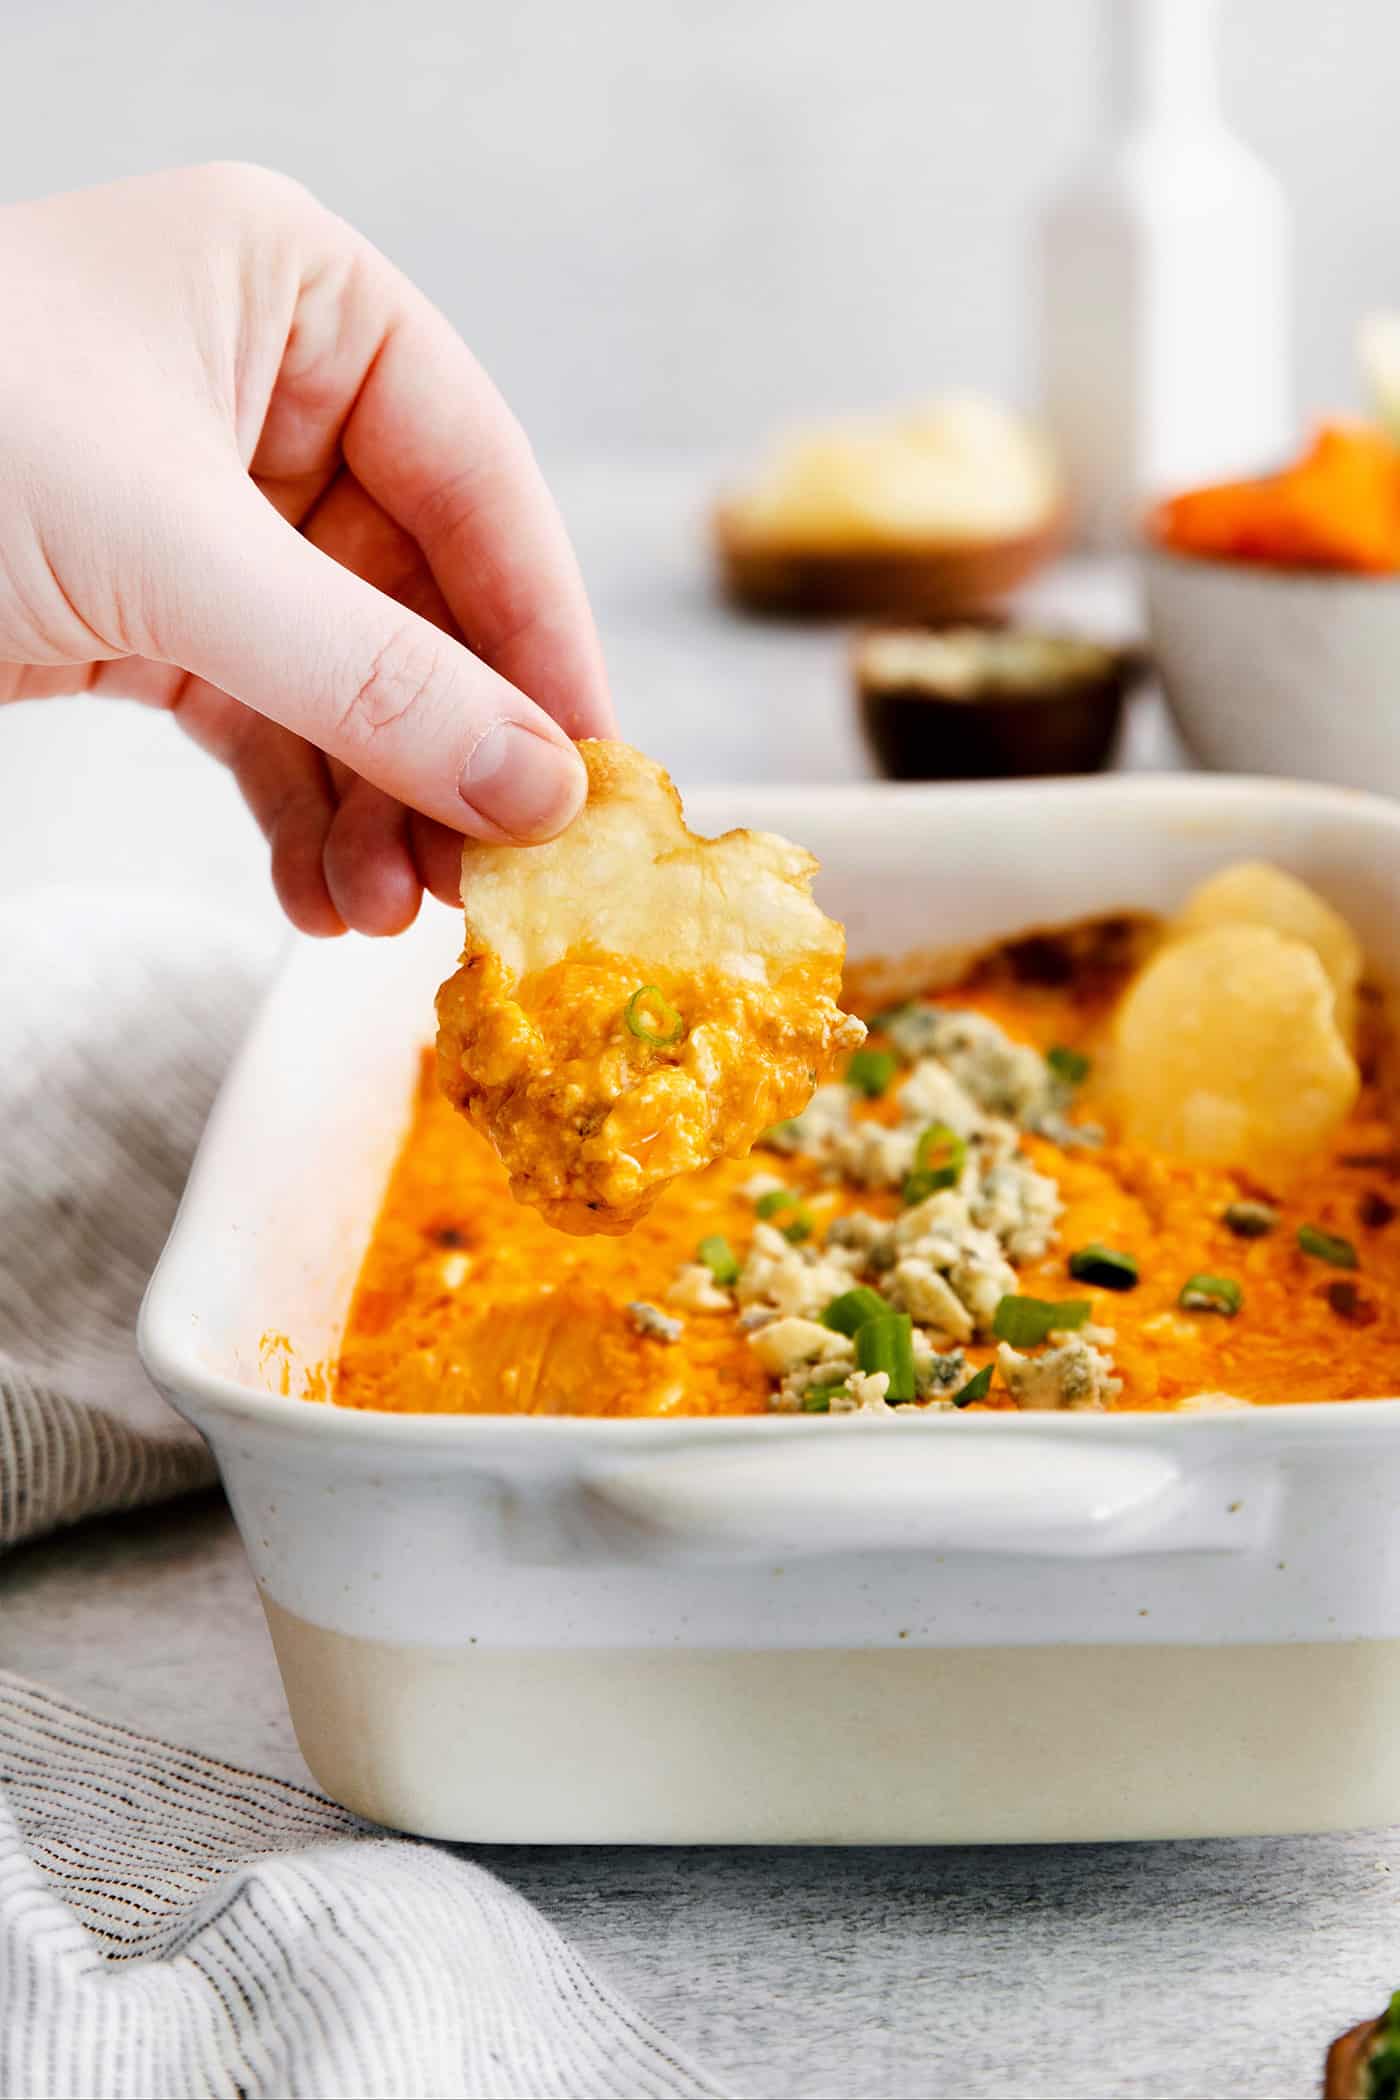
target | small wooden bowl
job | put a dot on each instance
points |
(918, 580)
(1063, 724)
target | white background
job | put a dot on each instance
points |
(665, 224)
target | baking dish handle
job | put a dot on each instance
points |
(1025, 1495)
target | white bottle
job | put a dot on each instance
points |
(1166, 329)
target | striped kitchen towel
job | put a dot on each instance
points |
(171, 1928)
(118, 1012)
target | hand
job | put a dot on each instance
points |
(249, 474)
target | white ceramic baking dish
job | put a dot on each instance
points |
(791, 1628)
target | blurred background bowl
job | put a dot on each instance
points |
(986, 701)
(936, 580)
(1285, 671)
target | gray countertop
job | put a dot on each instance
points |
(1082, 1973)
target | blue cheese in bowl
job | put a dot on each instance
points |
(980, 703)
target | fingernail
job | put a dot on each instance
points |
(524, 783)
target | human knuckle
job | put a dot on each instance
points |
(453, 502)
(402, 678)
(449, 505)
(249, 186)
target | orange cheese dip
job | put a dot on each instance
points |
(592, 1116)
(1337, 508)
(468, 1302)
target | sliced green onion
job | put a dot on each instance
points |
(1218, 1294)
(848, 1313)
(977, 1387)
(799, 1225)
(880, 1022)
(1249, 1220)
(887, 1345)
(1105, 1266)
(1327, 1246)
(1072, 1066)
(1026, 1321)
(776, 1133)
(939, 1159)
(650, 1015)
(870, 1072)
(942, 1153)
(719, 1258)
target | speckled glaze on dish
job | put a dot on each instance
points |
(792, 1628)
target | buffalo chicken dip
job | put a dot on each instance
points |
(999, 1203)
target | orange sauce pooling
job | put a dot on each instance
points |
(469, 1303)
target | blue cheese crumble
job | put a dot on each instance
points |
(946, 1260)
(656, 1325)
(1072, 1375)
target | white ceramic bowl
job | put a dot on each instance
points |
(1284, 671)
(791, 1628)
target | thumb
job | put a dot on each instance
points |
(259, 612)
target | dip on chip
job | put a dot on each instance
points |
(634, 1001)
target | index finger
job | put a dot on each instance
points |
(432, 441)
